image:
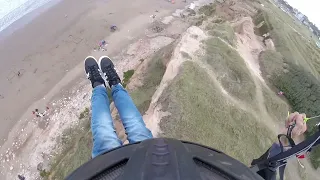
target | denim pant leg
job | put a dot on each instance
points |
(103, 132)
(130, 116)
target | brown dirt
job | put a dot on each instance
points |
(248, 44)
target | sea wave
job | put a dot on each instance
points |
(12, 10)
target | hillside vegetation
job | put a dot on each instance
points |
(293, 40)
(294, 68)
(216, 100)
(302, 90)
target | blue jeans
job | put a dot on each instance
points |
(103, 132)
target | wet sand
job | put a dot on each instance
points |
(44, 58)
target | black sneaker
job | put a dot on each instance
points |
(108, 71)
(93, 72)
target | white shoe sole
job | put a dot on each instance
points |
(89, 57)
(99, 62)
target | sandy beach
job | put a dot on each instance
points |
(42, 61)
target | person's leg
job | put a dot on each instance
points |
(129, 114)
(103, 132)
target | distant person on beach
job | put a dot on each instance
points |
(21, 177)
(103, 132)
(113, 28)
(39, 114)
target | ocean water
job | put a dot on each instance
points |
(12, 10)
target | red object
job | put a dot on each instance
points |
(301, 156)
(280, 93)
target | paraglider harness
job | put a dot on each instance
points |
(171, 159)
(267, 166)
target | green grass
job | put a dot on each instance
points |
(109, 92)
(44, 174)
(271, 63)
(277, 13)
(153, 76)
(76, 143)
(200, 114)
(126, 77)
(230, 69)
(315, 157)
(296, 48)
(208, 10)
(78, 155)
(203, 13)
(261, 20)
(277, 108)
(222, 30)
(84, 113)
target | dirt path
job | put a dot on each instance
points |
(249, 47)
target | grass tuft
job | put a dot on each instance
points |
(126, 77)
(223, 31)
(208, 10)
(153, 76)
(76, 144)
(85, 113)
(230, 69)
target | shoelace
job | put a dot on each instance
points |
(111, 73)
(94, 73)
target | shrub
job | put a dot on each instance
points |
(208, 10)
(263, 24)
(126, 77)
(302, 90)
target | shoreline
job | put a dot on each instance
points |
(27, 18)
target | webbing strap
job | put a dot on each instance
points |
(291, 142)
(271, 164)
(281, 171)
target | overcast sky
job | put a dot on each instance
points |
(310, 8)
